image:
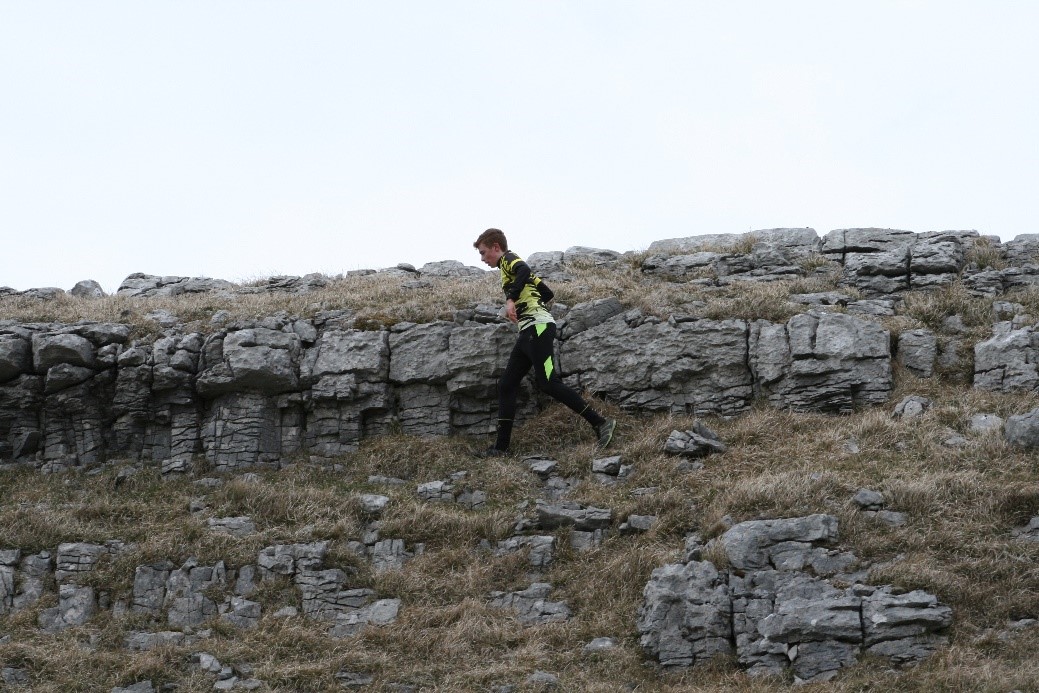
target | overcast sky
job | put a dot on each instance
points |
(242, 139)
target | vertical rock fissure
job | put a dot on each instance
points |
(909, 268)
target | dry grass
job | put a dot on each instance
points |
(986, 255)
(961, 503)
(381, 300)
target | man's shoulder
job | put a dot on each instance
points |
(509, 260)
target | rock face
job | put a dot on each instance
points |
(186, 597)
(774, 607)
(1007, 361)
(254, 392)
(699, 367)
(73, 395)
(876, 262)
(823, 362)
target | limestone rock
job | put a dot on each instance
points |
(49, 350)
(698, 367)
(542, 468)
(986, 423)
(917, 352)
(700, 441)
(599, 645)
(1023, 429)
(541, 548)
(607, 465)
(373, 504)
(785, 543)
(587, 315)
(243, 614)
(235, 526)
(380, 613)
(149, 588)
(14, 677)
(352, 679)
(1007, 361)
(571, 514)
(868, 499)
(532, 605)
(16, 356)
(254, 360)
(775, 618)
(801, 242)
(912, 406)
(440, 491)
(637, 524)
(325, 595)
(450, 268)
(686, 616)
(76, 606)
(821, 362)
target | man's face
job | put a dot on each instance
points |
(490, 254)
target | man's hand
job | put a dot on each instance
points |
(510, 310)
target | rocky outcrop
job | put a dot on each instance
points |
(876, 262)
(184, 598)
(779, 603)
(251, 394)
(1006, 362)
(816, 361)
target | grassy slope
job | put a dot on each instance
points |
(962, 504)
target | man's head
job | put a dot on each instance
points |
(492, 245)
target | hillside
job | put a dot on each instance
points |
(271, 485)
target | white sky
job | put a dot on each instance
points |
(241, 139)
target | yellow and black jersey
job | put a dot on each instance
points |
(526, 289)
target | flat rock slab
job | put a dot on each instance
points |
(571, 514)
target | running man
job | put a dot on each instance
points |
(525, 298)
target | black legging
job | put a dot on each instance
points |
(534, 348)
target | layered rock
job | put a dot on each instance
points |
(254, 392)
(1006, 362)
(776, 606)
(877, 262)
(251, 394)
(183, 598)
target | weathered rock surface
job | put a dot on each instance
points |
(774, 607)
(911, 406)
(700, 441)
(186, 597)
(1023, 429)
(255, 392)
(918, 351)
(571, 514)
(532, 605)
(76, 606)
(821, 362)
(698, 367)
(1006, 362)
(541, 548)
